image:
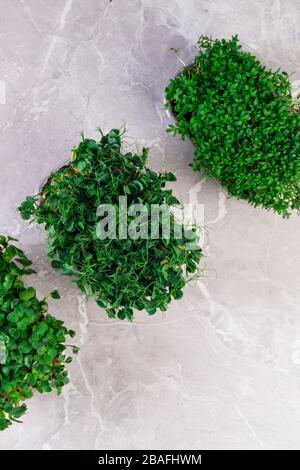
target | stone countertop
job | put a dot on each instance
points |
(221, 369)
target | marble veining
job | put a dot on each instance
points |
(220, 369)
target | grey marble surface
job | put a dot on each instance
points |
(221, 369)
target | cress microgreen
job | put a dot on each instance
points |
(121, 274)
(244, 124)
(32, 341)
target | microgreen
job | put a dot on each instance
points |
(244, 123)
(32, 341)
(121, 274)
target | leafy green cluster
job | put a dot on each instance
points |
(121, 274)
(32, 341)
(244, 123)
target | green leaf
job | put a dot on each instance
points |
(27, 208)
(101, 303)
(8, 281)
(122, 273)
(10, 252)
(32, 341)
(24, 261)
(81, 165)
(19, 411)
(52, 352)
(14, 397)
